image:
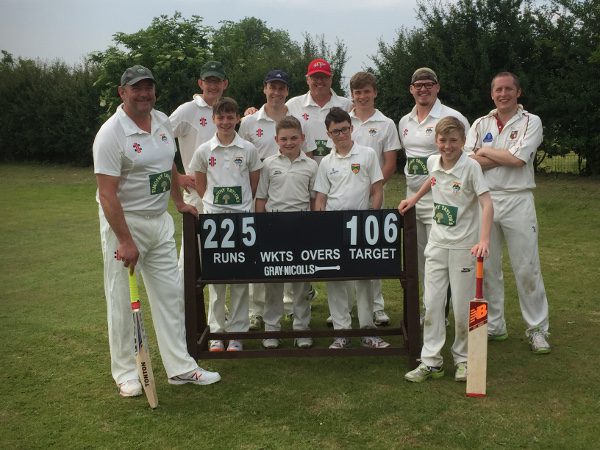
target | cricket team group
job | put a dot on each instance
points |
(471, 187)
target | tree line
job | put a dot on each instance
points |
(50, 112)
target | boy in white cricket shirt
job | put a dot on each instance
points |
(372, 129)
(226, 171)
(286, 184)
(458, 189)
(346, 179)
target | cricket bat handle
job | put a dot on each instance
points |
(479, 278)
(134, 293)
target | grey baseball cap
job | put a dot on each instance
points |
(424, 73)
(213, 69)
(136, 73)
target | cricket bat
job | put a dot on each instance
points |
(478, 339)
(142, 354)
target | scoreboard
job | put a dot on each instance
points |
(288, 246)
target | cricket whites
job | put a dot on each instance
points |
(478, 339)
(142, 354)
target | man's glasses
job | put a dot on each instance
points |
(428, 85)
(338, 131)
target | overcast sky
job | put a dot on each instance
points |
(70, 29)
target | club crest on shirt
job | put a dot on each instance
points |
(137, 147)
(429, 131)
(160, 182)
(488, 137)
(238, 160)
(163, 137)
(372, 131)
(456, 187)
(355, 168)
(513, 134)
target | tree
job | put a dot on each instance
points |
(173, 48)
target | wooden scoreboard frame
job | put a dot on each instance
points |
(300, 246)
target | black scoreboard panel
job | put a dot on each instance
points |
(287, 246)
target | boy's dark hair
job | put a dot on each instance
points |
(361, 80)
(337, 115)
(226, 105)
(448, 125)
(288, 123)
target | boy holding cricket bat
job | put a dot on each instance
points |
(458, 235)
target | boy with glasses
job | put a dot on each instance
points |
(349, 177)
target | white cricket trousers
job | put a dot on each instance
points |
(191, 198)
(274, 307)
(238, 313)
(515, 222)
(257, 299)
(157, 264)
(424, 218)
(340, 307)
(443, 266)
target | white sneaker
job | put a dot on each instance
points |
(339, 343)
(235, 346)
(461, 372)
(216, 346)
(423, 372)
(374, 342)
(270, 343)
(303, 342)
(381, 318)
(538, 342)
(197, 376)
(131, 388)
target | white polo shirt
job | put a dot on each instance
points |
(227, 169)
(312, 118)
(192, 126)
(378, 132)
(418, 141)
(521, 136)
(259, 129)
(347, 180)
(455, 202)
(287, 185)
(142, 160)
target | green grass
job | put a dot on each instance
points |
(57, 390)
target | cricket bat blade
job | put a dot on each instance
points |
(477, 339)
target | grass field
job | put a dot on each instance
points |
(57, 391)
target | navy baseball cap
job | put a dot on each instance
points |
(277, 75)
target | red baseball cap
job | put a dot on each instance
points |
(319, 65)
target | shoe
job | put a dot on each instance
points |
(312, 294)
(461, 372)
(197, 376)
(131, 388)
(538, 342)
(339, 343)
(423, 372)
(216, 346)
(235, 346)
(374, 342)
(304, 342)
(330, 321)
(381, 318)
(498, 337)
(256, 322)
(268, 343)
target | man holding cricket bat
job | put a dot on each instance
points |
(133, 163)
